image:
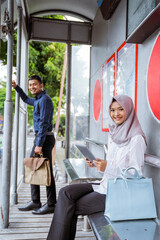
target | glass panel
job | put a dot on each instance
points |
(108, 79)
(80, 67)
(126, 81)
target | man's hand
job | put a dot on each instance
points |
(14, 84)
(38, 150)
(100, 164)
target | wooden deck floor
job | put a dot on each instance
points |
(25, 225)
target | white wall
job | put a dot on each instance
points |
(107, 36)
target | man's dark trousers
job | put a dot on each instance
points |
(51, 190)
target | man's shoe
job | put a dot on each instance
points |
(44, 210)
(30, 206)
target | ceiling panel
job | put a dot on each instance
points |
(86, 8)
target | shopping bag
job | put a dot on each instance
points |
(130, 197)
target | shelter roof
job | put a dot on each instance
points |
(84, 9)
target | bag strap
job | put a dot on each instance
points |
(35, 162)
(125, 173)
(35, 155)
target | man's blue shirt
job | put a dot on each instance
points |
(42, 113)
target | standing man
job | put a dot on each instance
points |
(43, 143)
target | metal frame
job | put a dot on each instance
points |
(43, 29)
(62, 12)
(14, 194)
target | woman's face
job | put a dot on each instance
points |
(117, 113)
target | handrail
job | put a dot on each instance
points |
(94, 142)
(152, 160)
(100, 144)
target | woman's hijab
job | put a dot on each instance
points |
(121, 134)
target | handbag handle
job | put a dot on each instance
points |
(125, 174)
(38, 155)
(35, 162)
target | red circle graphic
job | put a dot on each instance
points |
(97, 100)
(153, 80)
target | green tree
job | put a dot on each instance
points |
(46, 59)
(3, 50)
(3, 97)
(62, 125)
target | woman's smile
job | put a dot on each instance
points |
(117, 113)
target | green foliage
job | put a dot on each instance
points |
(62, 125)
(30, 114)
(46, 60)
(3, 50)
(3, 97)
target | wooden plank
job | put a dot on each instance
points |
(24, 236)
(33, 225)
(23, 230)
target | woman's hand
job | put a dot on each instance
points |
(89, 163)
(100, 164)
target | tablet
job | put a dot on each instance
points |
(86, 152)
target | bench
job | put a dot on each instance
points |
(78, 171)
(76, 167)
(104, 229)
(123, 230)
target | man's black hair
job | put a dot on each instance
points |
(36, 77)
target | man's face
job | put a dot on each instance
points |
(35, 87)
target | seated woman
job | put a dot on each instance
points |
(126, 147)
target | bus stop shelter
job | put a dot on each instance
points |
(123, 36)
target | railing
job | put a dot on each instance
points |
(100, 144)
(151, 160)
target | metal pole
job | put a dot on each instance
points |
(25, 85)
(14, 194)
(7, 137)
(23, 107)
(0, 20)
(59, 105)
(68, 101)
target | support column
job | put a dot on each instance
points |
(16, 120)
(7, 137)
(23, 107)
(68, 103)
